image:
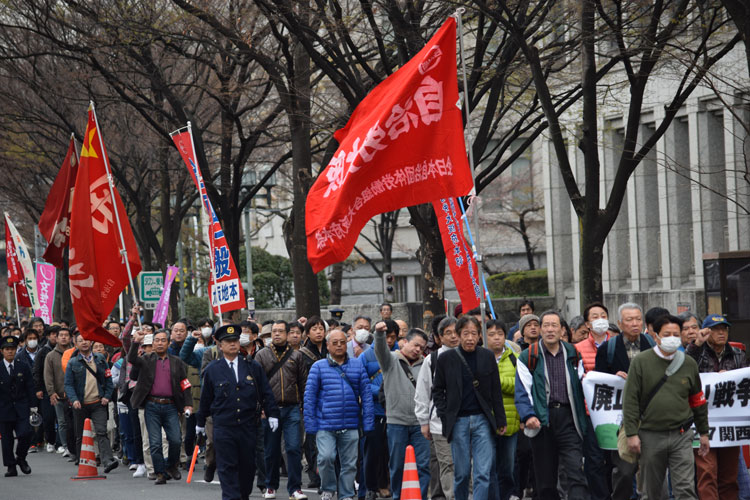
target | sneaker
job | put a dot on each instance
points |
(326, 495)
(50, 448)
(60, 450)
(371, 495)
(140, 471)
(32, 449)
(67, 453)
(298, 495)
(347, 498)
(133, 467)
(270, 493)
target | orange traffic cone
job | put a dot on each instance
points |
(410, 482)
(87, 460)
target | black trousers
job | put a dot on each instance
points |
(22, 430)
(311, 456)
(235, 460)
(46, 431)
(555, 443)
(376, 450)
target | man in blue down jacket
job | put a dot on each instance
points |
(337, 402)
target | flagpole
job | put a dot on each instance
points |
(211, 255)
(18, 313)
(123, 249)
(474, 247)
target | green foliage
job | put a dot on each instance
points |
(518, 284)
(196, 308)
(273, 281)
(325, 291)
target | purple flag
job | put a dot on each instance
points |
(162, 308)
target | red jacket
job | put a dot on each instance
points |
(587, 349)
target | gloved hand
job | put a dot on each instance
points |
(273, 423)
(200, 431)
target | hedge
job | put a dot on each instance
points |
(518, 284)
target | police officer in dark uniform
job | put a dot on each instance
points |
(16, 399)
(233, 392)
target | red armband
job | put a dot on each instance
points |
(185, 384)
(697, 400)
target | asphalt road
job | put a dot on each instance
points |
(50, 479)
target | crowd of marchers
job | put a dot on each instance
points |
(494, 412)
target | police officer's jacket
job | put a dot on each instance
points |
(233, 401)
(17, 396)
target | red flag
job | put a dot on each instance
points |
(15, 274)
(224, 288)
(55, 219)
(403, 145)
(460, 257)
(97, 269)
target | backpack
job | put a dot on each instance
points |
(611, 344)
(534, 356)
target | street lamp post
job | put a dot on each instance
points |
(249, 182)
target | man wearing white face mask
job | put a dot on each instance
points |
(597, 319)
(249, 342)
(359, 342)
(663, 397)
(614, 357)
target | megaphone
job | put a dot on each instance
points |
(35, 419)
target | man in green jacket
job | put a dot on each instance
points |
(506, 354)
(549, 400)
(658, 425)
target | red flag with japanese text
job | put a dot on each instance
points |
(460, 256)
(97, 269)
(54, 223)
(224, 288)
(403, 146)
(15, 275)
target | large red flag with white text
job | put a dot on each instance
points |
(54, 223)
(97, 269)
(224, 288)
(403, 145)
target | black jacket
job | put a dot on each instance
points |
(447, 389)
(38, 369)
(146, 365)
(17, 395)
(621, 362)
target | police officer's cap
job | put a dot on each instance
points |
(228, 332)
(9, 341)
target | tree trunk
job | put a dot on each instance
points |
(526, 241)
(431, 258)
(337, 275)
(592, 238)
(306, 292)
(592, 254)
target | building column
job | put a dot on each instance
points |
(696, 191)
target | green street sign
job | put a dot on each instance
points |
(151, 284)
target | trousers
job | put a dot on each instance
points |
(22, 430)
(235, 460)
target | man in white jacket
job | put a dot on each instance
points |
(424, 409)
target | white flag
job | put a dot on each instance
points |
(22, 252)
